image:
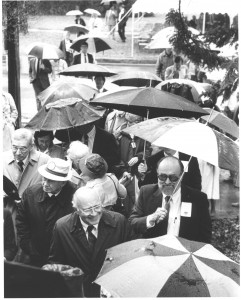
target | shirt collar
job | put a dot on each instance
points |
(85, 226)
(50, 194)
(91, 133)
(175, 154)
(24, 160)
(175, 197)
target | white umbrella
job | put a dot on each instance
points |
(92, 11)
(75, 12)
(45, 51)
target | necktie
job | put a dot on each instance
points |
(167, 204)
(86, 139)
(85, 59)
(91, 237)
(20, 163)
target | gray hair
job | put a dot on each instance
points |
(77, 150)
(83, 192)
(23, 134)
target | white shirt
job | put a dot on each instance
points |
(50, 194)
(83, 56)
(91, 138)
(85, 227)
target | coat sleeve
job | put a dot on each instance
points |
(205, 228)
(23, 226)
(138, 218)
(56, 256)
(194, 174)
(159, 67)
(47, 66)
(10, 248)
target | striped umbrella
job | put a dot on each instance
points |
(168, 266)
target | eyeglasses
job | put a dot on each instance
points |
(22, 150)
(89, 210)
(172, 178)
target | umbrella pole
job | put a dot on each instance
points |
(144, 151)
(68, 134)
(209, 116)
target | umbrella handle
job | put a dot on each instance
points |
(209, 116)
(144, 151)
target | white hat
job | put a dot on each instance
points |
(56, 169)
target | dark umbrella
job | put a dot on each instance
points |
(86, 70)
(95, 43)
(168, 266)
(65, 114)
(158, 103)
(10, 188)
(136, 78)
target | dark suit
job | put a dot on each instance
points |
(196, 228)
(191, 178)
(80, 21)
(70, 246)
(36, 216)
(77, 59)
(67, 55)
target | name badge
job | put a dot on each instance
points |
(186, 209)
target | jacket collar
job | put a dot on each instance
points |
(33, 156)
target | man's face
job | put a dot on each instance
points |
(52, 186)
(44, 142)
(99, 82)
(177, 65)
(168, 51)
(165, 169)
(21, 148)
(84, 49)
(90, 209)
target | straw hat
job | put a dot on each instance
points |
(56, 169)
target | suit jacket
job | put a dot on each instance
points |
(196, 228)
(191, 178)
(67, 55)
(30, 174)
(36, 217)
(77, 59)
(70, 246)
(40, 77)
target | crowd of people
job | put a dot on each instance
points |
(66, 204)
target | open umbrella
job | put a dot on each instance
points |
(197, 88)
(87, 70)
(189, 137)
(222, 122)
(95, 43)
(46, 51)
(76, 28)
(75, 12)
(136, 78)
(64, 114)
(92, 11)
(168, 266)
(108, 1)
(156, 103)
(67, 88)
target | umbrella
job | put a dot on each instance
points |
(222, 122)
(66, 88)
(64, 114)
(75, 12)
(141, 101)
(168, 266)
(76, 28)
(95, 43)
(136, 78)
(86, 70)
(203, 142)
(197, 88)
(92, 11)
(108, 1)
(46, 51)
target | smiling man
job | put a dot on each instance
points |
(81, 239)
(170, 207)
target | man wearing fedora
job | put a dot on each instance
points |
(81, 238)
(41, 206)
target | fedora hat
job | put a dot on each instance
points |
(95, 166)
(56, 169)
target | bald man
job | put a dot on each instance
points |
(170, 207)
(81, 238)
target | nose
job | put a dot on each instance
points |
(168, 180)
(18, 151)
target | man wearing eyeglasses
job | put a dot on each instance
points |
(81, 238)
(170, 207)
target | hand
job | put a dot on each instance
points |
(161, 214)
(142, 168)
(41, 66)
(126, 176)
(133, 161)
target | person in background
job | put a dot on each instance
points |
(116, 122)
(95, 24)
(39, 70)
(99, 82)
(44, 143)
(164, 60)
(83, 57)
(122, 22)
(177, 70)
(79, 20)
(10, 115)
(111, 18)
(58, 65)
(65, 47)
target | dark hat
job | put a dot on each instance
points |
(95, 166)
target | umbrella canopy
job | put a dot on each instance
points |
(92, 11)
(203, 142)
(95, 43)
(46, 51)
(87, 70)
(66, 88)
(76, 28)
(168, 266)
(222, 122)
(196, 88)
(108, 1)
(136, 78)
(159, 103)
(75, 12)
(64, 114)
